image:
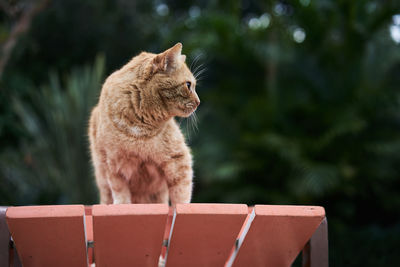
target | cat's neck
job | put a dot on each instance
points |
(142, 130)
(135, 117)
(139, 127)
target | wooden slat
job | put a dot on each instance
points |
(315, 253)
(4, 239)
(233, 250)
(89, 236)
(49, 235)
(204, 234)
(276, 235)
(167, 232)
(128, 235)
(16, 261)
(89, 232)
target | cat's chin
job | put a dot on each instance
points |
(185, 113)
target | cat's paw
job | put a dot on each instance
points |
(121, 200)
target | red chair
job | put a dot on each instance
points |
(137, 234)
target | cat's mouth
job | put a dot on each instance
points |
(188, 109)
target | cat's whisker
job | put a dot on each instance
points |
(187, 129)
(195, 121)
(179, 122)
(196, 59)
(197, 74)
(199, 79)
(198, 68)
(191, 123)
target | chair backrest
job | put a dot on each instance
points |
(49, 235)
(203, 234)
(128, 235)
(275, 235)
(135, 235)
(4, 238)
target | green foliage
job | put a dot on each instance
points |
(51, 164)
(298, 118)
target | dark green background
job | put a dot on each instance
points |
(281, 122)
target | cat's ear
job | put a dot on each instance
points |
(170, 59)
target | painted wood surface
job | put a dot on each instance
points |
(204, 234)
(128, 235)
(276, 234)
(191, 235)
(49, 235)
(4, 238)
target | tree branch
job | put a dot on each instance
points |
(20, 27)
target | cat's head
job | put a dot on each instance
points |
(173, 81)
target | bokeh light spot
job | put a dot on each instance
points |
(279, 9)
(396, 19)
(194, 12)
(162, 9)
(305, 2)
(395, 33)
(254, 23)
(299, 35)
(265, 20)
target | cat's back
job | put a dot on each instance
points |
(93, 123)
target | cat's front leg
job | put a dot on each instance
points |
(102, 182)
(120, 191)
(179, 180)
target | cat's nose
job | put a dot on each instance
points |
(196, 100)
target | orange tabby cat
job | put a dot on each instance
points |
(138, 151)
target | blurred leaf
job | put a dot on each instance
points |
(54, 159)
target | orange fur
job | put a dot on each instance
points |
(138, 151)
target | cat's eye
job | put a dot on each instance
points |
(188, 84)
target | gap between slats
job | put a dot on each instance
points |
(242, 234)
